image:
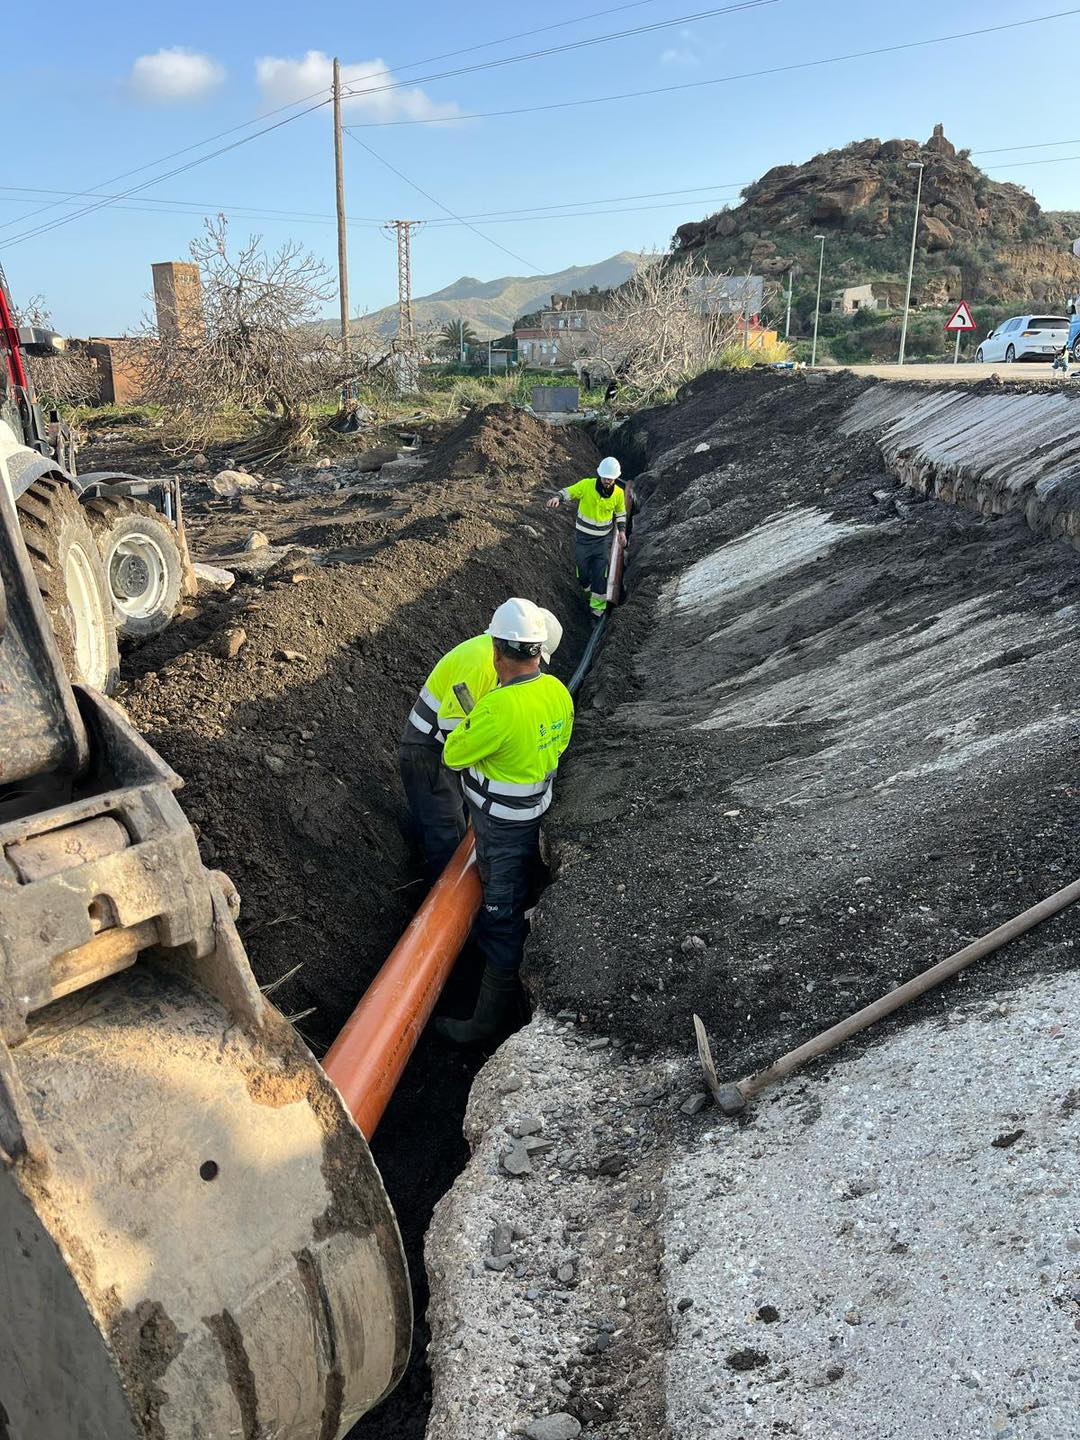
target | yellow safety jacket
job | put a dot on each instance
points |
(596, 512)
(508, 749)
(437, 710)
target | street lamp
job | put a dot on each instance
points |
(817, 305)
(912, 165)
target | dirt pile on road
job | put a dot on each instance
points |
(830, 739)
(281, 702)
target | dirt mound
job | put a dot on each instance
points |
(827, 742)
(289, 747)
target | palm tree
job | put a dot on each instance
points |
(457, 335)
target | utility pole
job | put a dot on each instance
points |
(403, 231)
(787, 317)
(912, 165)
(817, 303)
(342, 244)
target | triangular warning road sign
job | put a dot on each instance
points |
(961, 318)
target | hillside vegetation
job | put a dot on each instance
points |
(979, 240)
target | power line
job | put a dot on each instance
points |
(1039, 145)
(561, 49)
(420, 191)
(521, 35)
(723, 79)
(151, 205)
(368, 90)
(163, 159)
(156, 179)
(1023, 164)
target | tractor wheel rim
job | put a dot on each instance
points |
(138, 576)
(88, 623)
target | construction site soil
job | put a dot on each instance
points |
(280, 703)
(775, 807)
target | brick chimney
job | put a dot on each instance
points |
(178, 301)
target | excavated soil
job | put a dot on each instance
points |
(288, 749)
(752, 826)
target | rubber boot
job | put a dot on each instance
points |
(496, 1010)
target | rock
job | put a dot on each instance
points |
(516, 1160)
(323, 463)
(565, 1273)
(531, 531)
(199, 461)
(694, 1103)
(700, 507)
(256, 541)
(213, 577)
(700, 449)
(502, 1239)
(498, 1263)
(275, 764)
(598, 1344)
(560, 1426)
(229, 483)
(230, 642)
(600, 1043)
(292, 656)
(684, 1304)
(374, 459)
(691, 943)
(527, 1125)
(511, 1084)
(935, 235)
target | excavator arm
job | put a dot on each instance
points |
(196, 1242)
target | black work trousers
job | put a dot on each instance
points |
(507, 857)
(435, 803)
(591, 558)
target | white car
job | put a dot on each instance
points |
(1025, 337)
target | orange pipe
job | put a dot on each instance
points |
(367, 1059)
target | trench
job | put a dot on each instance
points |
(420, 1148)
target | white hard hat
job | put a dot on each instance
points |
(609, 469)
(520, 622)
(554, 635)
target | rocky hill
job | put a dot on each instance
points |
(980, 240)
(492, 306)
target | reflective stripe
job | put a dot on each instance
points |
(424, 718)
(482, 792)
(430, 698)
(507, 787)
(590, 527)
(504, 812)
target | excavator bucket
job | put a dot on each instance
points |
(195, 1242)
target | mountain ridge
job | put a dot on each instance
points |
(492, 306)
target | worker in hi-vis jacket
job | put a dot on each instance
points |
(433, 793)
(601, 508)
(507, 750)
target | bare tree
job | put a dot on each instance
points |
(667, 323)
(257, 350)
(66, 376)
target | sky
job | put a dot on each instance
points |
(123, 89)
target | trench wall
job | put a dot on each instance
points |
(984, 449)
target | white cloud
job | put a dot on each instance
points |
(284, 81)
(175, 77)
(685, 53)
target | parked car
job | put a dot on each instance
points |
(1025, 337)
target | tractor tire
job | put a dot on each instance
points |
(141, 556)
(72, 581)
